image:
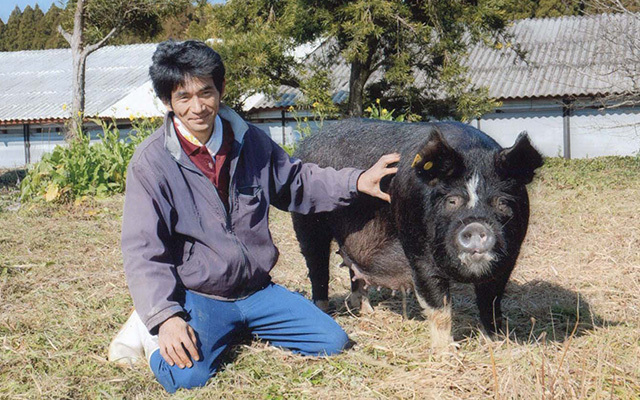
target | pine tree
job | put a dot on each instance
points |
(26, 29)
(556, 8)
(11, 39)
(392, 38)
(39, 31)
(2, 28)
(51, 20)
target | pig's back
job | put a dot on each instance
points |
(360, 142)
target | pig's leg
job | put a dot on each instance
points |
(359, 295)
(433, 296)
(315, 237)
(404, 303)
(488, 299)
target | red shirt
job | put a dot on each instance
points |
(217, 172)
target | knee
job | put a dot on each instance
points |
(338, 342)
(174, 378)
(196, 376)
(331, 343)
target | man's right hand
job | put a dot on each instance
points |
(177, 341)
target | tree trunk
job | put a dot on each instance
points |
(357, 80)
(360, 72)
(76, 40)
(79, 54)
(77, 90)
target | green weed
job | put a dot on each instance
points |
(84, 169)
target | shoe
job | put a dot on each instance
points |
(133, 342)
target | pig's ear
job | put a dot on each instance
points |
(519, 161)
(437, 161)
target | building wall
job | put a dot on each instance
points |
(616, 132)
(12, 146)
(544, 129)
(593, 132)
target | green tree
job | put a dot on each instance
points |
(51, 20)
(10, 41)
(255, 39)
(28, 28)
(558, 8)
(397, 39)
(39, 36)
(200, 18)
(2, 28)
(94, 23)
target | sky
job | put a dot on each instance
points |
(6, 6)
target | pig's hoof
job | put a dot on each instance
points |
(365, 306)
(441, 342)
(322, 304)
(442, 349)
(493, 336)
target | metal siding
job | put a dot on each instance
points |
(36, 85)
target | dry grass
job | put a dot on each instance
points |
(573, 308)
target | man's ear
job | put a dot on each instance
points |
(519, 161)
(437, 161)
(224, 85)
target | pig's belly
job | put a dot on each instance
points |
(377, 259)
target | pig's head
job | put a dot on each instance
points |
(474, 204)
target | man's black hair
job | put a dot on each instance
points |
(174, 62)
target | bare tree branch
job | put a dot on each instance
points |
(66, 35)
(91, 48)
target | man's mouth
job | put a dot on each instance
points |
(199, 119)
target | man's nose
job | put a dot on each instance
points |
(197, 105)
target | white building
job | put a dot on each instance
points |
(35, 96)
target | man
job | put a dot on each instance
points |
(195, 237)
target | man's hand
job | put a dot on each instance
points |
(174, 337)
(369, 181)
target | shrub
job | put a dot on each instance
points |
(85, 169)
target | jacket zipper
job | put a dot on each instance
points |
(227, 214)
(232, 191)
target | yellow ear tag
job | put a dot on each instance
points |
(428, 165)
(416, 160)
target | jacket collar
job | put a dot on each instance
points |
(172, 144)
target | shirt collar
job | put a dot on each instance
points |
(214, 142)
(172, 144)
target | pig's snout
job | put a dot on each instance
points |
(476, 239)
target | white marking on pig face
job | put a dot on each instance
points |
(472, 189)
(477, 263)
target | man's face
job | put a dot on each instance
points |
(196, 104)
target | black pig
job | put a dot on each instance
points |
(459, 212)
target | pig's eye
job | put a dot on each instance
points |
(502, 205)
(453, 202)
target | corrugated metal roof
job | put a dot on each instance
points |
(36, 85)
(568, 56)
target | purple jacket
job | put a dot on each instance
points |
(177, 234)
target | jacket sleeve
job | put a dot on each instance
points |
(148, 262)
(306, 188)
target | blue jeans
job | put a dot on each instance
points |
(274, 314)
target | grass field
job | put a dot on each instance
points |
(573, 309)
